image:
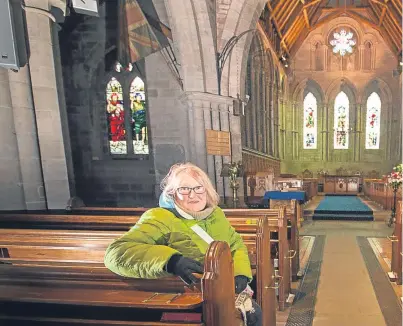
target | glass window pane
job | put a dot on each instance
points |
(310, 122)
(373, 122)
(341, 121)
(115, 117)
(139, 117)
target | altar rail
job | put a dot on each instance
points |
(380, 192)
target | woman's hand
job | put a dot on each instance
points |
(241, 282)
(184, 267)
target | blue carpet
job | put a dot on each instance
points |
(342, 208)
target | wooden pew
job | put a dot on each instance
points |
(123, 222)
(277, 224)
(293, 228)
(293, 216)
(45, 288)
(84, 250)
(396, 239)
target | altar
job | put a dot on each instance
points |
(336, 184)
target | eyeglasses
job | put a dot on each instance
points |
(186, 190)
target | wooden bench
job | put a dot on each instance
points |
(41, 291)
(293, 216)
(277, 224)
(123, 222)
(27, 247)
(396, 239)
(84, 250)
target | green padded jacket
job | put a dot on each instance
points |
(146, 248)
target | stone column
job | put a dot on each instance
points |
(361, 53)
(209, 111)
(208, 125)
(11, 190)
(46, 101)
(271, 124)
(27, 139)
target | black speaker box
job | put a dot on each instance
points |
(13, 49)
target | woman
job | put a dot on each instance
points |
(174, 240)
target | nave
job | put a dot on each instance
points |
(56, 260)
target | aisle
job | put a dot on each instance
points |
(345, 294)
(338, 285)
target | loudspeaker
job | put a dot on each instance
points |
(13, 49)
(87, 7)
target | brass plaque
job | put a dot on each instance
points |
(218, 142)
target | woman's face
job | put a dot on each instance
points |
(190, 194)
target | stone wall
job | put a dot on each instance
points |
(316, 69)
(88, 53)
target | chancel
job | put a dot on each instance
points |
(193, 162)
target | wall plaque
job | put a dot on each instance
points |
(218, 142)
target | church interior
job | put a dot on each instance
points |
(291, 108)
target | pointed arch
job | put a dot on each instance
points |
(341, 120)
(373, 121)
(115, 117)
(310, 127)
(137, 97)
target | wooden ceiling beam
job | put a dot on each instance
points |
(394, 20)
(302, 34)
(311, 4)
(277, 7)
(280, 35)
(382, 16)
(397, 5)
(390, 31)
(299, 27)
(285, 15)
(306, 19)
(388, 38)
(379, 3)
(326, 19)
(284, 8)
(294, 6)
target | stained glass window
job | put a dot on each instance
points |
(343, 42)
(115, 117)
(310, 122)
(373, 124)
(341, 121)
(139, 117)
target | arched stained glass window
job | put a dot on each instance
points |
(310, 122)
(126, 109)
(373, 122)
(139, 117)
(115, 117)
(341, 121)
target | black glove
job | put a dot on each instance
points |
(240, 283)
(184, 267)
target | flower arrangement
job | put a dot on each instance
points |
(395, 177)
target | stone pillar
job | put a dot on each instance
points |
(209, 111)
(361, 53)
(27, 138)
(271, 122)
(11, 190)
(46, 100)
(359, 129)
